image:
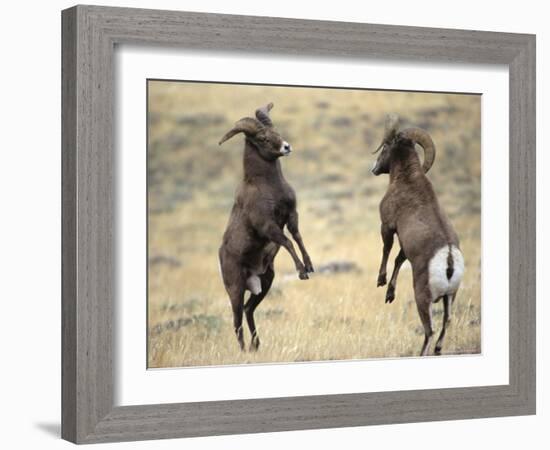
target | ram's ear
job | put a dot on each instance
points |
(400, 138)
(248, 126)
(391, 126)
(262, 114)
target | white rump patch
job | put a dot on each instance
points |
(440, 285)
(254, 284)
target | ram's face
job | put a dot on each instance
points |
(270, 144)
(386, 148)
(382, 163)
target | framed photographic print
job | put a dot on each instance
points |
(267, 222)
(191, 189)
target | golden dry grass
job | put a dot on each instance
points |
(331, 316)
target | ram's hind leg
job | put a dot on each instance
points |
(252, 303)
(234, 281)
(237, 299)
(447, 305)
(424, 305)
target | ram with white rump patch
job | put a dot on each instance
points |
(410, 210)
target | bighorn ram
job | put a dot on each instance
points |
(264, 204)
(411, 210)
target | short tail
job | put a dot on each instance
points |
(450, 263)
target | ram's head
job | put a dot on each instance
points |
(261, 133)
(395, 141)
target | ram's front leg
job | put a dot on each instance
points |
(387, 238)
(399, 260)
(292, 226)
(272, 232)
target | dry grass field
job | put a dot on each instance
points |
(337, 314)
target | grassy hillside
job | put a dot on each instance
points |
(336, 314)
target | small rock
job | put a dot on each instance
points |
(338, 267)
(164, 259)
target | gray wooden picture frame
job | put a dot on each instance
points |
(89, 36)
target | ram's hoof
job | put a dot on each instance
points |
(254, 344)
(303, 276)
(381, 280)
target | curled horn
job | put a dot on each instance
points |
(390, 130)
(422, 138)
(247, 126)
(262, 114)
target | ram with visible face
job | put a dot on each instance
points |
(264, 204)
(410, 209)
